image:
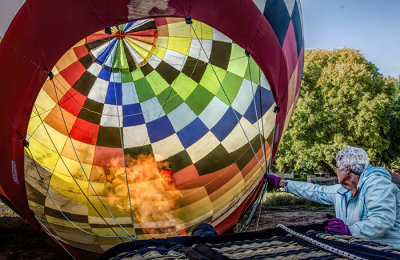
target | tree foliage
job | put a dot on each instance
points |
(391, 157)
(343, 101)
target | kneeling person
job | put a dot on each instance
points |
(367, 203)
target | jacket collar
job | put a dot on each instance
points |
(342, 190)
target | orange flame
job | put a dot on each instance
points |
(153, 195)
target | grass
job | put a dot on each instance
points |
(276, 199)
(5, 211)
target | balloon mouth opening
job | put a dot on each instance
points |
(128, 124)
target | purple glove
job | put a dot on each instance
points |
(337, 225)
(272, 180)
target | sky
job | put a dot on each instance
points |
(372, 26)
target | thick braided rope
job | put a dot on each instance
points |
(319, 244)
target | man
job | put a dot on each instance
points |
(367, 203)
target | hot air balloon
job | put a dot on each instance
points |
(124, 120)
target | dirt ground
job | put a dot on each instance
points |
(294, 215)
(20, 241)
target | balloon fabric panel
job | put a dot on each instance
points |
(173, 106)
(138, 114)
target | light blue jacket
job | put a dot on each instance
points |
(373, 213)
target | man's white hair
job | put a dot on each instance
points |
(356, 157)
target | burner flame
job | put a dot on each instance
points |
(153, 195)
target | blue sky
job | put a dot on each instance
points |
(372, 26)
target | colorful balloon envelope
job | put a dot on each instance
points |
(146, 128)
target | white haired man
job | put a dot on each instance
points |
(367, 203)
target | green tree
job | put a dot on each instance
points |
(391, 157)
(343, 101)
